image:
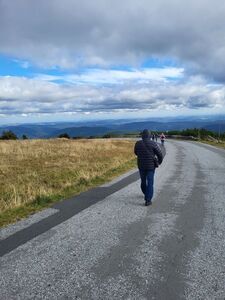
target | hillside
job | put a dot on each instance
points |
(99, 128)
(81, 131)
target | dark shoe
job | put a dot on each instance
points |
(147, 203)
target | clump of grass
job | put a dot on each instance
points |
(36, 173)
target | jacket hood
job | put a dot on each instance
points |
(145, 134)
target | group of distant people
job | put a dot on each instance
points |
(155, 136)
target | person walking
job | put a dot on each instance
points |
(149, 156)
(162, 138)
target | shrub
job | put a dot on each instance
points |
(64, 135)
(24, 137)
(8, 135)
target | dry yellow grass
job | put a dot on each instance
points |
(37, 168)
(220, 144)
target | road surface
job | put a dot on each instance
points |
(105, 244)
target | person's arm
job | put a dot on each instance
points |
(135, 149)
(158, 153)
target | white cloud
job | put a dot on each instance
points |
(110, 77)
(99, 76)
(23, 64)
(35, 96)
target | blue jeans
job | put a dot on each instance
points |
(147, 181)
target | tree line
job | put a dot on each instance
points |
(10, 135)
(200, 133)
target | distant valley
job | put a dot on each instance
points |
(102, 127)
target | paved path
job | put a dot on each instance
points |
(105, 244)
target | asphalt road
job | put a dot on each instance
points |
(105, 244)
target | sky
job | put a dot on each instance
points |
(76, 60)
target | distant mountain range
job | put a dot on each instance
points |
(101, 127)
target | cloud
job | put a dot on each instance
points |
(20, 95)
(72, 33)
(111, 77)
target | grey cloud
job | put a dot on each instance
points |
(198, 101)
(69, 32)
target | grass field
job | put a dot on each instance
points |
(220, 144)
(35, 173)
